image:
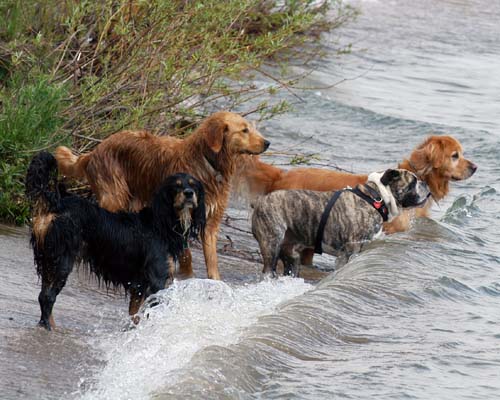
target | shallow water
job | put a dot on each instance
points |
(415, 315)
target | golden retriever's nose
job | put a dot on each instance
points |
(473, 167)
(188, 193)
(266, 144)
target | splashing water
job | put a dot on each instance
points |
(191, 315)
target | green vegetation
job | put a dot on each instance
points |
(301, 159)
(74, 71)
(29, 121)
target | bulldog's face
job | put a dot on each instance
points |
(406, 188)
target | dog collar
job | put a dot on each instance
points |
(377, 203)
(212, 163)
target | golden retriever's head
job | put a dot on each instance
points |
(442, 154)
(233, 131)
(440, 159)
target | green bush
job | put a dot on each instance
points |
(28, 122)
(78, 71)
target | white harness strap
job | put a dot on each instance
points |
(386, 194)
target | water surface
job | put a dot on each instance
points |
(416, 315)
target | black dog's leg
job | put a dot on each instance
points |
(53, 280)
(158, 277)
(158, 273)
(47, 298)
(136, 299)
(154, 301)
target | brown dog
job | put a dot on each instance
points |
(437, 161)
(127, 167)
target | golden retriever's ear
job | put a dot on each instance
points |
(420, 159)
(215, 132)
(428, 156)
(437, 154)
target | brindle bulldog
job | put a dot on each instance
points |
(287, 221)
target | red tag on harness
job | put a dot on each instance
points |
(377, 204)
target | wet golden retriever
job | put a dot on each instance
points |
(437, 161)
(126, 169)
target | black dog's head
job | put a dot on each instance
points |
(179, 205)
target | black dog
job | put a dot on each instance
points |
(132, 250)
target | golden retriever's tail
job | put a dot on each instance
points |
(256, 178)
(69, 164)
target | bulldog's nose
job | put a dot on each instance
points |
(266, 144)
(188, 193)
(473, 167)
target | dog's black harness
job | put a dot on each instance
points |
(377, 204)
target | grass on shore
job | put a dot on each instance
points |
(29, 121)
(75, 71)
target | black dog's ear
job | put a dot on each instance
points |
(389, 176)
(199, 213)
(163, 208)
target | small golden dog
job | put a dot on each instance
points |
(126, 168)
(437, 161)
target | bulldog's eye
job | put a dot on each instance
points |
(454, 156)
(245, 130)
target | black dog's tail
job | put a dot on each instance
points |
(41, 184)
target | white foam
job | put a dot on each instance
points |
(193, 314)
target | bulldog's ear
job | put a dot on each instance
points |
(389, 176)
(215, 129)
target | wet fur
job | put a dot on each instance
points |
(285, 222)
(123, 249)
(431, 161)
(126, 168)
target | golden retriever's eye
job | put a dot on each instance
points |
(454, 156)
(191, 182)
(245, 130)
(178, 183)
